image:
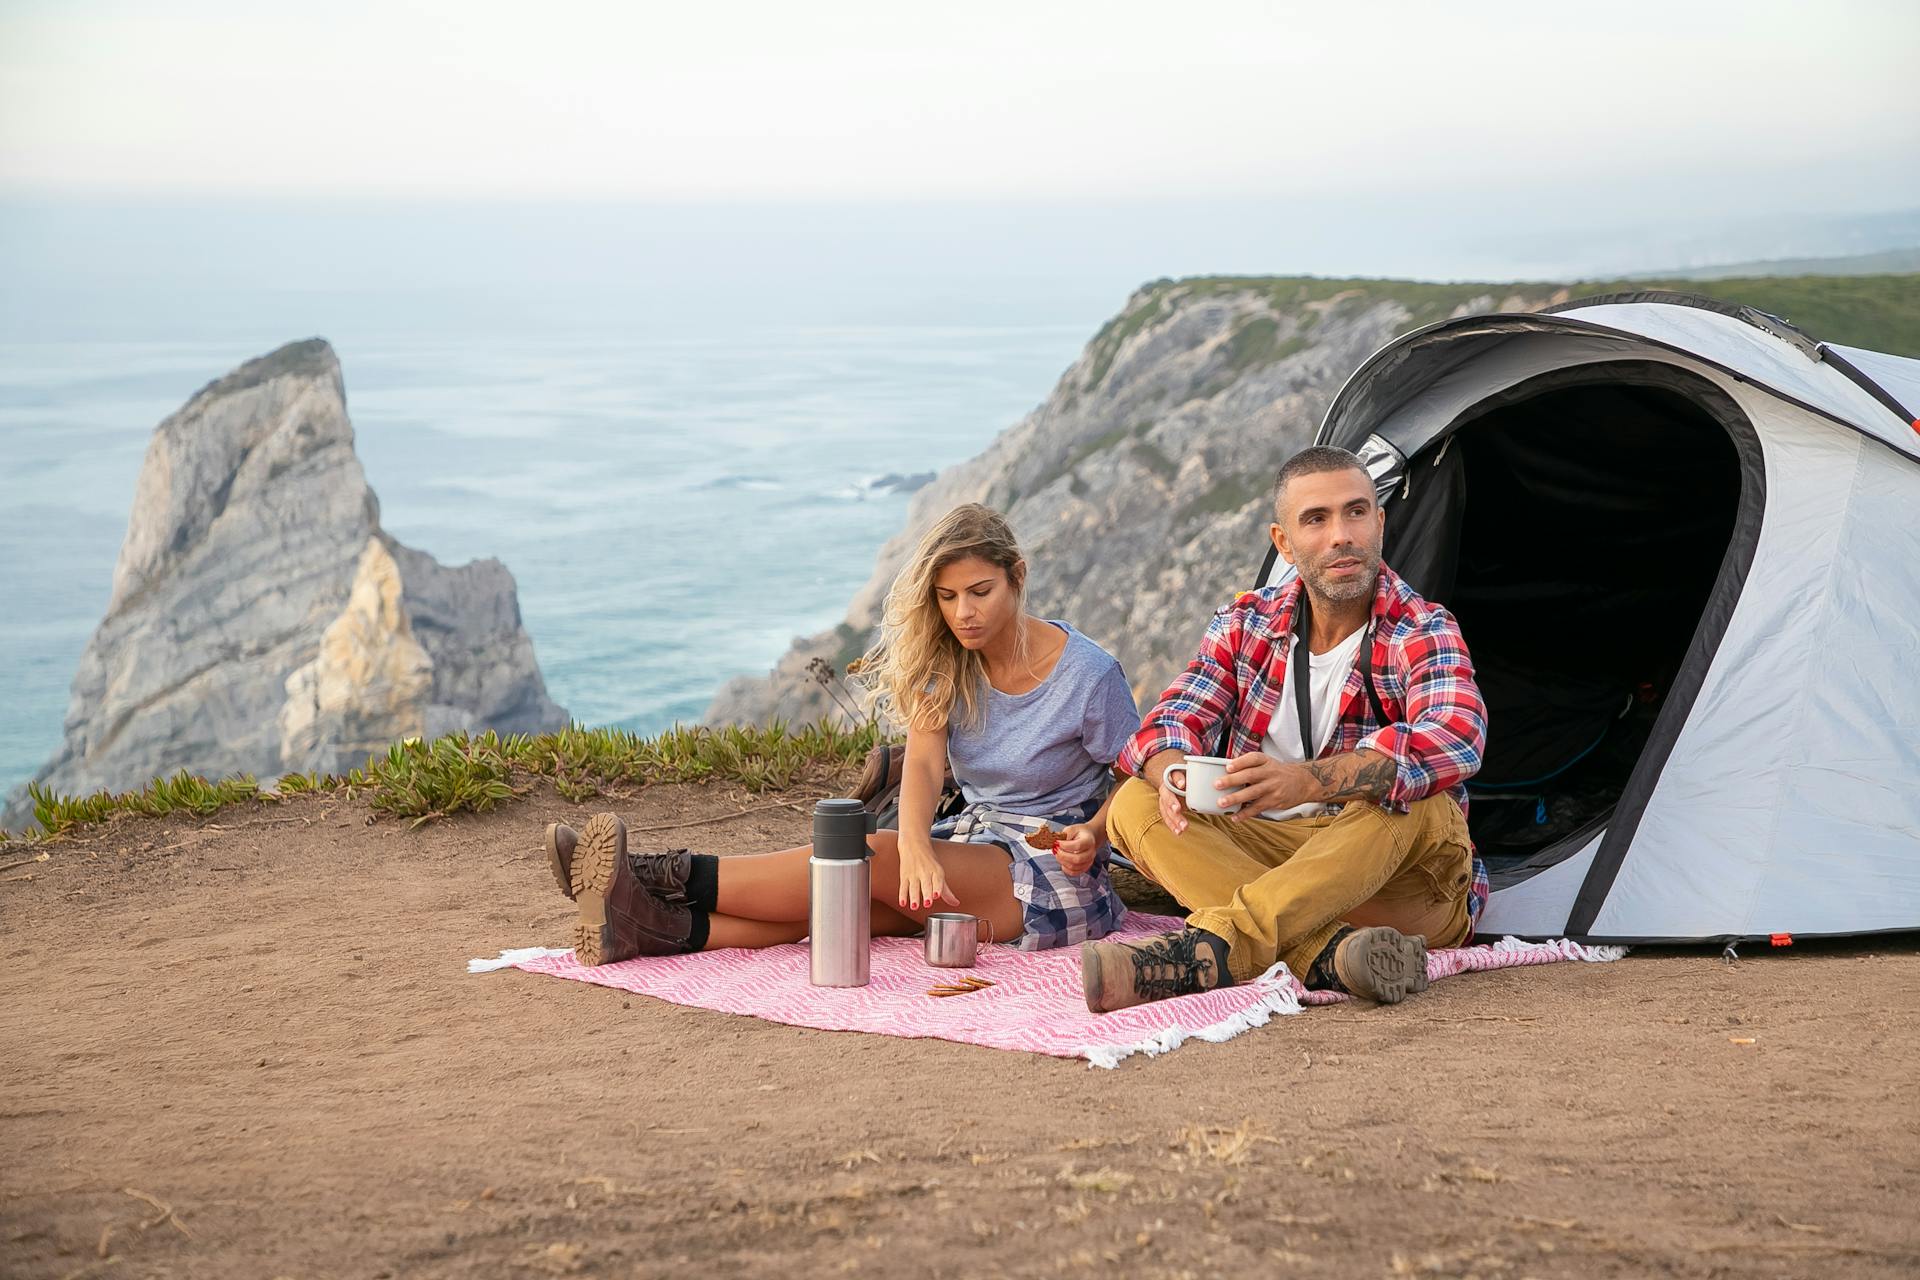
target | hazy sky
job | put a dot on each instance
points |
(258, 170)
(1712, 103)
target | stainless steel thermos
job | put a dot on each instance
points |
(840, 883)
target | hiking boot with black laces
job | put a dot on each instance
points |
(664, 875)
(1119, 975)
(1378, 964)
(619, 919)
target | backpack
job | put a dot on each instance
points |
(879, 787)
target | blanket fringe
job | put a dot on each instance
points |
(1564, 948)
(518, 955)
(1280, 998)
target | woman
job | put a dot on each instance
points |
(1030, 714)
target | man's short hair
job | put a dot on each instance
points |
(1312, 462)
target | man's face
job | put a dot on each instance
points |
(1331, 529)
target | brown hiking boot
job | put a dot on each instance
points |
(1119, 975)
(619, 919)
(562, 840)
(1380, 964)
(664, 875)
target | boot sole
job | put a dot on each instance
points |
(562, 873)
(1386, 966)
(602, 842)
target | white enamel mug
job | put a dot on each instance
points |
(1199, 792)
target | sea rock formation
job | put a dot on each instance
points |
(262, 622)
(1139, 489)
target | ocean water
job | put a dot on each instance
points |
(674, 509)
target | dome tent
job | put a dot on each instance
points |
(1682, 540)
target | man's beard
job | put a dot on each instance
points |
(1341, 591)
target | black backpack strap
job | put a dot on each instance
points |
(1302, 674)
(1366, 678)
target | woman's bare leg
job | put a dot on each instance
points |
(772, 887)
(732, 931)
(764, 886)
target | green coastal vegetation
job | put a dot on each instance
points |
(421, 781)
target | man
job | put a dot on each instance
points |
(1347, 707)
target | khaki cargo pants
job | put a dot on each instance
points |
(1280, 890)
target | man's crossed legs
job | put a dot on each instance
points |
(1350, 900)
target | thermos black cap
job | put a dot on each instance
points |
(840, 829)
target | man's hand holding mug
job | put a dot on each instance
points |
(1198, 787)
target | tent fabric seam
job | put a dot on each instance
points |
(1549, 322)
(1866, 383)
(1794, 336)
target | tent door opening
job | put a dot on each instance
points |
(1576, 526)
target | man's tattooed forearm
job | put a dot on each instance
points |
(1359, 776)
(1373, 779)
(1326, 773)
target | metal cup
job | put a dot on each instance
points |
(953, 940)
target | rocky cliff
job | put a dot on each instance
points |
(262, 622)
(1139, 488)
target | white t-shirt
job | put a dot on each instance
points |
(1282, 740)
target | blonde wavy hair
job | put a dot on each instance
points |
(918, 673)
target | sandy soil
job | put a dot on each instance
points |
(249, 1047)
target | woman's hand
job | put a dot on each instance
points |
(922, 882)
(1074, 852)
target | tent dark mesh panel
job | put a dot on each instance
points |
(1576, 532)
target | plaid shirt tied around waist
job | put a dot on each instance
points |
(1231, 691)
(1058, 910)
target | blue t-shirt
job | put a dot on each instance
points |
(1047, 750)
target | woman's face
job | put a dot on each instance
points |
(977, 600)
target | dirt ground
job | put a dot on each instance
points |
(249, 1047)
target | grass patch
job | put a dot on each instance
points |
(1153, 460)
(1424, 301)
(1230, 494)
(1107, 342)
(1253, 343)
(422, 781)
(182, 793)
(427, 780)
(1105, 440)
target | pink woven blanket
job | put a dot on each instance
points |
(1035, 1003)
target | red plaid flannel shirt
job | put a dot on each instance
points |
(1421, 671)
